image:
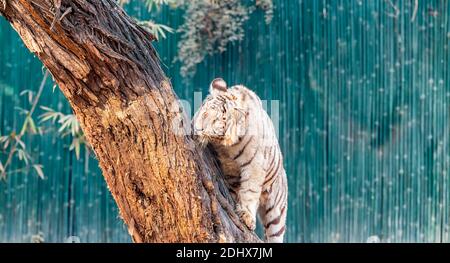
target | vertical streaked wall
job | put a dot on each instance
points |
(364, 123)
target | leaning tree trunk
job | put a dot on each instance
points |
(166, 188)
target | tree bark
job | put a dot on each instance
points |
(167, 189)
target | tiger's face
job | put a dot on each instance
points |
(221, 119)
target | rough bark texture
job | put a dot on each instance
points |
(166, 188)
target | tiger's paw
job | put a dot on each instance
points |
(246, 218)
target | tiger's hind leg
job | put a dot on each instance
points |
(273, 215)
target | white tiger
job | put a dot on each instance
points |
(233, 121)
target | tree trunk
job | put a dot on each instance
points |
(167, 189)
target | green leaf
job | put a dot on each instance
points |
(39, 171)
(6, 142)
(30, 94)
(32, 125)
(20, 142)
(65, 123)
(69, 125)
(22, 110)
(158, 30)
(23, 156)
(46, 108)
(156, 4)
(29, 124)
(76, 145)
(3, 139)
(49, 115)
(24, 126)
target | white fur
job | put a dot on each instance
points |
(249, 154)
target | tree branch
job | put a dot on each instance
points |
(19, 136)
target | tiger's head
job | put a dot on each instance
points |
(222, 119)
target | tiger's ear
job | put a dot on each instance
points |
(218, 86)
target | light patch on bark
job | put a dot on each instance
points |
(79, 68)
(111, 107)
(115, 107)
(27, 37)
(166, 85)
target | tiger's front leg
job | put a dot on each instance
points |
(248, 195)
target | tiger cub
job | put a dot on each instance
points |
(233, 121)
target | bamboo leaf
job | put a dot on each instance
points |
(76, 145)
(49, 115)
(32, 125)
(46, 108)
(20, 142)
(21, 110)
(29, 93)
(3, 139)
(24, 126)
(65, 123)
(23, 156)
(6, 143)
(39, 171)
(158, 30)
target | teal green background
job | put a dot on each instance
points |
(364, 124)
